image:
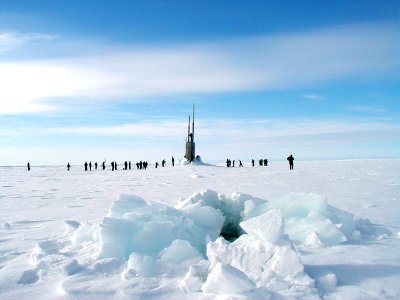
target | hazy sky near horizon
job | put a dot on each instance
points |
(115, 80)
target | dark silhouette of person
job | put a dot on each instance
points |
(290, 159)
(227, 163)
(125, 165)
(29, 166)
(112, 166)
(156, 164)
(86, 165)
(95, 165)
(90, 165)
(140, 165)
(68, 166)
(104, 165)
(163, 163)
(265, 162)
(137, 165)
(116, 165)
(173, 161)
(145, 165)
(252, 162)
(260, 162)
(130, 165)
(240, 163)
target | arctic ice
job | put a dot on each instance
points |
(208, 243)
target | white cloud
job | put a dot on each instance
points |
(215, 139)
(12, 40)
(313, 97)
(254, 63)
(368, 109)
(226, 130)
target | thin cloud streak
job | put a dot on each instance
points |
(228, 130)
(13, 40)
(245, 64)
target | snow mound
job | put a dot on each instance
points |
(208, 243)
(196, 161)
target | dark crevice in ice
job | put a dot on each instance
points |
(231, 231)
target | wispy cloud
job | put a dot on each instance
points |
(253, 63)
(227, 130)
(215, 139)
(313, 97)
(12, 40)
(368, 109)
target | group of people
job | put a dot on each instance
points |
(127, 165)
(231, 163)
(88, 166)
(144, 164)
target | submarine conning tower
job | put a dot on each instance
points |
(190, 153)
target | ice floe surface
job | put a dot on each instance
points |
(208, 245)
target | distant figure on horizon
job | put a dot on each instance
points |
(156, 164)
(115, 165)
(68, 166)
(112, 166)
(260, 162)
(130, 165)
(86, 165)
(163, 163)
(252, 162)
(266, 162)
(240, 163)
(233, 163)
(95, 165)
(173, 161)
(90, 165)
(104, 165)
(290, 159)
(29, 166)
(125, 165)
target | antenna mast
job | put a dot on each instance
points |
(193, 124)
(188, 130)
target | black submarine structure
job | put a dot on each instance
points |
(190, 153)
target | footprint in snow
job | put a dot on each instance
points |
(29, 277)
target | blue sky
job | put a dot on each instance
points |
(115, 80)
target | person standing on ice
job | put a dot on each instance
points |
(86, 164)
(95, 165)
(68, 166)
(173, 161)
(252, 162)
(104, 165)
(90, 166)
(290, 159)
(240, 163)
(29, 166)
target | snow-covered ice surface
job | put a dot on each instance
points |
(328, 229)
